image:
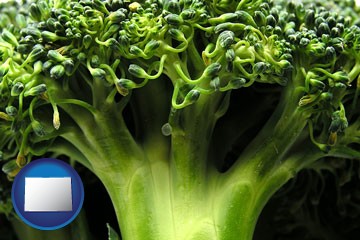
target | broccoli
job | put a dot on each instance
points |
(191, 113)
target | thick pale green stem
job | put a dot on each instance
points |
(152, 209)
(77, 230)
(239, 205)
(190, 140)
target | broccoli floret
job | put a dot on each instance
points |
(139, 92)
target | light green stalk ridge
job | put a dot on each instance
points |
(78, 229)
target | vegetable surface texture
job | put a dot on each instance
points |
(191, 113)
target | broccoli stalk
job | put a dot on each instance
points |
(76, 230)
(137, 93)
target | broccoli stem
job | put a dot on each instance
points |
(78, 230)
(173, 191)
(168, 187)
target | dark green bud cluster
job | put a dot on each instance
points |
(11, 111)
(338, 122)
(35, 91)
(38, 128)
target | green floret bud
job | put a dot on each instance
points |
(188, 14)
(337, 44)
(212, 70)
(237, 83)
(177, 34)
(34, 32)
(174, 19)
(99, 5)
(340, 76)
(113, 29)
(124, 39)
(113, 44)
(9, 37)
(90, 13)
(57, 71)
(326, 96)
(27, 40)
(260, 67)
(259, 48)
(172, 6)
(59, 27)
(77, 36)
(38, 128)
(36, 53)
(35, 12)
(121, 87)
(63, 18)
(338, 122)
(134, 6)
(226, 17)
(229, 26)
(285, 64)
(304, 42)
(44, 8)
(69, 66)
(5, 117)
(192, 96)
(87, 41)
(50, 36)
(151, 46)
(11, 111)
(316, 49)
(20, 20)
(226, 39)
(137, 71)
(335, 32)
(319, 85)
(55, 56)
(271, 21)
(331, 21)
(323, 29)
(340, 85)
(50, 23)
(230, 55)
(259, 18)
(47, 65)
(330, 53)
(38, 67)
(98, 74)
(35, 91)
(135, 50)
(126, 83)
(117, 16)
(17, 89)
(215, 83)
(4, 69)
(95, 61)
(245, 17)
(10, 167)
(81, 57)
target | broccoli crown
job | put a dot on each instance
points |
(57, 52)
(133, 90)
